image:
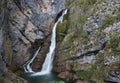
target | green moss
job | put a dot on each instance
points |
(79, 17)
(114, 43)
(82, 9)
(61, 31)
(62, 28)
(88, 2)
(109, 20)
(84, 34)
(99, 74)
(91, 2)
(66, 16)
(100, 58)
(98, 71)
(117, 65)
(98, 33)
(83, 18)
(73, 33)
(86, 75)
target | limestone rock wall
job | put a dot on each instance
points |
(90, 47)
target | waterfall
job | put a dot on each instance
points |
(47, 65)
(26, 66)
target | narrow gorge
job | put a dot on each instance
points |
(42, 42)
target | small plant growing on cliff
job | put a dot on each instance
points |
(109, 20)
(114, 43)
(89, 2)
(85, 74)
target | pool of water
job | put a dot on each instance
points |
(49, 78)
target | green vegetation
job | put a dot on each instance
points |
(78, 38)
(61, 31)
(114, 43)
(62, 28)
(84, 34)
(117, 64)
(75, 20)
(86, 75)
(100, 58)
(97, 73)
(109, 20)
(100, 72)
(88, 2)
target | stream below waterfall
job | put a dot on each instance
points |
(48, 78)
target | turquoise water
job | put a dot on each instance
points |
(49, 78)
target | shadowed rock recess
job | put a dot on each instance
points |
(88, 39)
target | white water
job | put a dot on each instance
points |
(26, 66)
(47, 65)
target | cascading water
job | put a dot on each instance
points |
(26, 66)
(47, 65)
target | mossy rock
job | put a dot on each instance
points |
(86, 75)
(109, 20)
(100, 74)
(61, 30)
(114, 43)
(80, 11)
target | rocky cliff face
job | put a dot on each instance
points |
(24, 26)
(88, 40)
(89, 43)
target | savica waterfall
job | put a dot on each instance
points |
(47, 65)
